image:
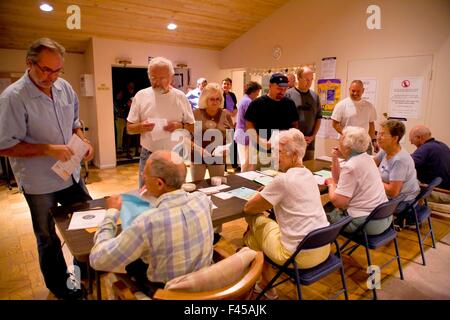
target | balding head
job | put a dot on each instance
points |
(419, 135)
(167, 166)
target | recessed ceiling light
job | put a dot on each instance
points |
(171, 26)
(46, 7)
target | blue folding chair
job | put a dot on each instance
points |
(314, 239)
(418, 211)
(361, 238)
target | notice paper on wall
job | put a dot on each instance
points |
(65, 168)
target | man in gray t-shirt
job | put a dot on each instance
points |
(308, 108)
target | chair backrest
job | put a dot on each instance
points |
(239, 289)
(323, 236)
(384, 210)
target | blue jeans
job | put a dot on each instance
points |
(51, 259)
(145, 154)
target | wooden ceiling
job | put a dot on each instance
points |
(211, 24)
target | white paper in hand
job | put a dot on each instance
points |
(158, 132)
(66, 168)
(220, 151)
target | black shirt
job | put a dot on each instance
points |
(266, 113)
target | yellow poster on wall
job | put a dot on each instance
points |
(329, 91)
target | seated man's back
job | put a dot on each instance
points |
(179, 233)
(174, 238)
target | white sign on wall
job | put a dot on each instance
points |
(405, 97)
(370, 90)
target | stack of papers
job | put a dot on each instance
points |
(215, 189)
(250, 175)
(86, 219)
(270, 172)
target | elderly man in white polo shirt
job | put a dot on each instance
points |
(355, 111)
(158, 111)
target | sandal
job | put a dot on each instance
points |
(271, 294)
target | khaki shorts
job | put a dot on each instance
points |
(264, 235)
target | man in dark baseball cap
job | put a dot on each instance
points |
(271, 112)
(279, 79)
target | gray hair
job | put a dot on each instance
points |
(396, 128)
(160, 62)
(171, 169)
(208, 91)
(44, 43)
(355, 138)
(292, 141)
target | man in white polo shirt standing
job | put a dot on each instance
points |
(355, 111)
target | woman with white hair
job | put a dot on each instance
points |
(295, 197)
(356, 187)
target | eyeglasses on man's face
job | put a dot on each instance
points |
(48, 71)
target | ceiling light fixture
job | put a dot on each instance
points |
(172, 26)
(46, 7)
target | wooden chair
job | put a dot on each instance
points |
(242, 289)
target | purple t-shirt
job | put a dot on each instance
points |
(229, 103)
(239, 135)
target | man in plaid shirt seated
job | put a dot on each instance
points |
(173, 238)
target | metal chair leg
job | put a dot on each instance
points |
(297, 283)
(369, 263)
(419, 237)
(344, 284)
(398, 259)
(433, 241)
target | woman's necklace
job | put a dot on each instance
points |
(211, 122)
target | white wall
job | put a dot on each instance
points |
(106, 53)
(309, 30)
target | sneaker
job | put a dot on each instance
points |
(70, 294)
(270, 294)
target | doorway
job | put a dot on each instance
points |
(126, 82)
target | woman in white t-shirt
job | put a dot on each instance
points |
(356, 187)
(295, 197)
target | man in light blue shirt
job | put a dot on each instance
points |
(194, 94)
(38, 116)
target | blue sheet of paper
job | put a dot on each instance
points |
(132, 207)
(264, 180)
(243, 193)
(323, 173)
